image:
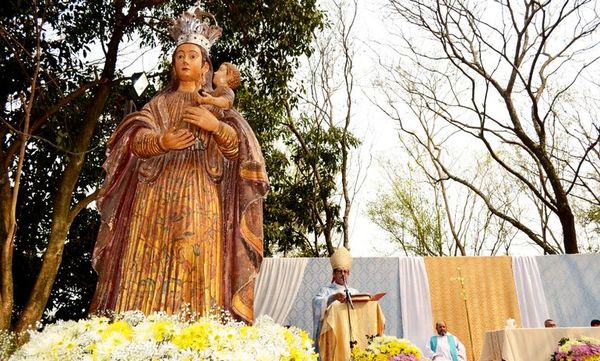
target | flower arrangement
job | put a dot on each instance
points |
(133, 336)
(387, 348)
(8, 341)
(579, 349)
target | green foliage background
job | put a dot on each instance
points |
(265, 39)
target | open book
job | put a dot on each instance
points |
(364, 297)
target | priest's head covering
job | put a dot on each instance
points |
(341, 259)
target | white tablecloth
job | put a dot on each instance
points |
(529, 344)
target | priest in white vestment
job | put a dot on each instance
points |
(445, 346)
(341, 262)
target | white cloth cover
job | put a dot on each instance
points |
(530, 292)
(276, 287)
(417, 319)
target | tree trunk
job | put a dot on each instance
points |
(567, 220)
(6, 282)
(61, 218)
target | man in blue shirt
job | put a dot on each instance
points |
(444, 346)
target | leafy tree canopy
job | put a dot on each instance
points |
(263, 38)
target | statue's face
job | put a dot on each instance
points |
(189, 64)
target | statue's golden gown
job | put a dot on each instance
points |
(173, 253)
(170, 236)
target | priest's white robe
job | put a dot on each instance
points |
(320, 305)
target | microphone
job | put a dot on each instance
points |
(348, 296)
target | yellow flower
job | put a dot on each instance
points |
(381, 348)
(194, 337)
(162, 330)
(160, 337)
(120, 328)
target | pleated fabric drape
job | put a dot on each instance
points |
(482, 286)
(415, 300)
(530, 292)
(276, 287)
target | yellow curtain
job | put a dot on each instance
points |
(484, 284)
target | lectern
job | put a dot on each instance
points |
(365, 319)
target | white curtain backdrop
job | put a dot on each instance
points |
(416, 301)
(530, 292)
(276, 287)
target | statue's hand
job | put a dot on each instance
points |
(201, 118)
(203, 98)
(198, 98)
(176, 139)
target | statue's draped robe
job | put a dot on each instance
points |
(181, 227)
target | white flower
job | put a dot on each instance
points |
(133, 336)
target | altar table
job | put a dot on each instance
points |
(334, 340)
(529, 344)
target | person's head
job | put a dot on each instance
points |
(440, 328)
(341, 263)
(191, 62)
(340, 275)
(549, 323)
(595, 323)
(228, 75)
(194, 30)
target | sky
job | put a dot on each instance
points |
(378, 133)
(375, 39)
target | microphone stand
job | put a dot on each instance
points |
(349, 305)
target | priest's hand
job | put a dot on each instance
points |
(340, 297)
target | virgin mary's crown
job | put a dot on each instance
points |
(196, 26)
